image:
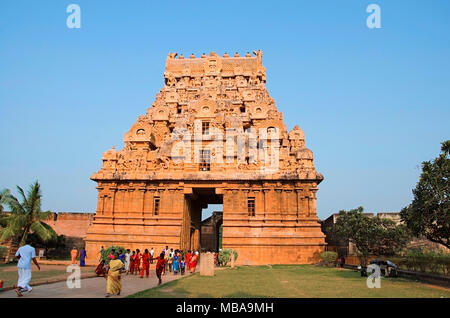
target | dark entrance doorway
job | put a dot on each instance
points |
(194, 203)
(210, 232)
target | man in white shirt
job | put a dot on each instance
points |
(152, 252)
(127, 260)
(25, 255)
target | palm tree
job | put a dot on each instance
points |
(3, 195)
(26, 216)
(3, 216)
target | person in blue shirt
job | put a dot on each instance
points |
(122, 256)
(25, 254)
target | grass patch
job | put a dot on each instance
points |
(8, 273)
(292, 281)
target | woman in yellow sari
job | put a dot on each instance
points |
(113, 284)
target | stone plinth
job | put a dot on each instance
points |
(207, 264)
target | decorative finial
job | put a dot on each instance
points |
(172, 55)
(248, 54)
(192, 56)
(203, 55)
(181, 57)
(236, 54)
(226, 55)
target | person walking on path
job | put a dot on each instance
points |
(122, 256)
(73, 255)
(152, 252)
(100, 270)
(127, 261)
(160, 265)
(132, 259)
(193, 262)
(176, 263)
(170, 260)
(113, 283)
(188, 259)
(182, 265)
(145, 264)
(137, 262)
(25, 255)
(83, 256)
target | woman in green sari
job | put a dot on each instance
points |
(113, 284)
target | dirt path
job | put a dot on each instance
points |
(91, 287)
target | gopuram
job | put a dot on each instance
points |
(213, 135)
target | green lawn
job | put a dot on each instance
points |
(289, 281)
(8, 273)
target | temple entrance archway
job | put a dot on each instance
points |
(195, 202)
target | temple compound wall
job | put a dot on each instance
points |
(212, 136)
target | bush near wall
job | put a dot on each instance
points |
(225, 256)
(106, 252)
(419, 260)
(329, 258)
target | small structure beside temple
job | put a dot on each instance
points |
(213, 135)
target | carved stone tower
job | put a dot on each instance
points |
(213, 135)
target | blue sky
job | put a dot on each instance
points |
(374, 103)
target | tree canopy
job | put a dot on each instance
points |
(371, 235)
(429, 212)
(26, 217)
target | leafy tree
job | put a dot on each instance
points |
(26, 217)
(429, 212)
(371, 235)
(56, 241)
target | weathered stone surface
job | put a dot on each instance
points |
(151, 192)
(207, 264)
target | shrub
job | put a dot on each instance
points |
(3, 251)
(225, 256)
(420, 260)
(107, 251)
(329, 258)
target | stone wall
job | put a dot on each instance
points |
(71, 224)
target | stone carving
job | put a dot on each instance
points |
(219, 90)
(147, 189)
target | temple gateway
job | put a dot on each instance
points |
(213, 135)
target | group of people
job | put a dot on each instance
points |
(138, 263)
(130, 262)
(74, 254)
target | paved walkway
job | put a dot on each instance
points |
(92, 287)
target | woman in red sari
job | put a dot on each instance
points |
(193, 262)
(145, 263)
(132, 257)
(188, 259)
(100, 270)
(137, 261)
